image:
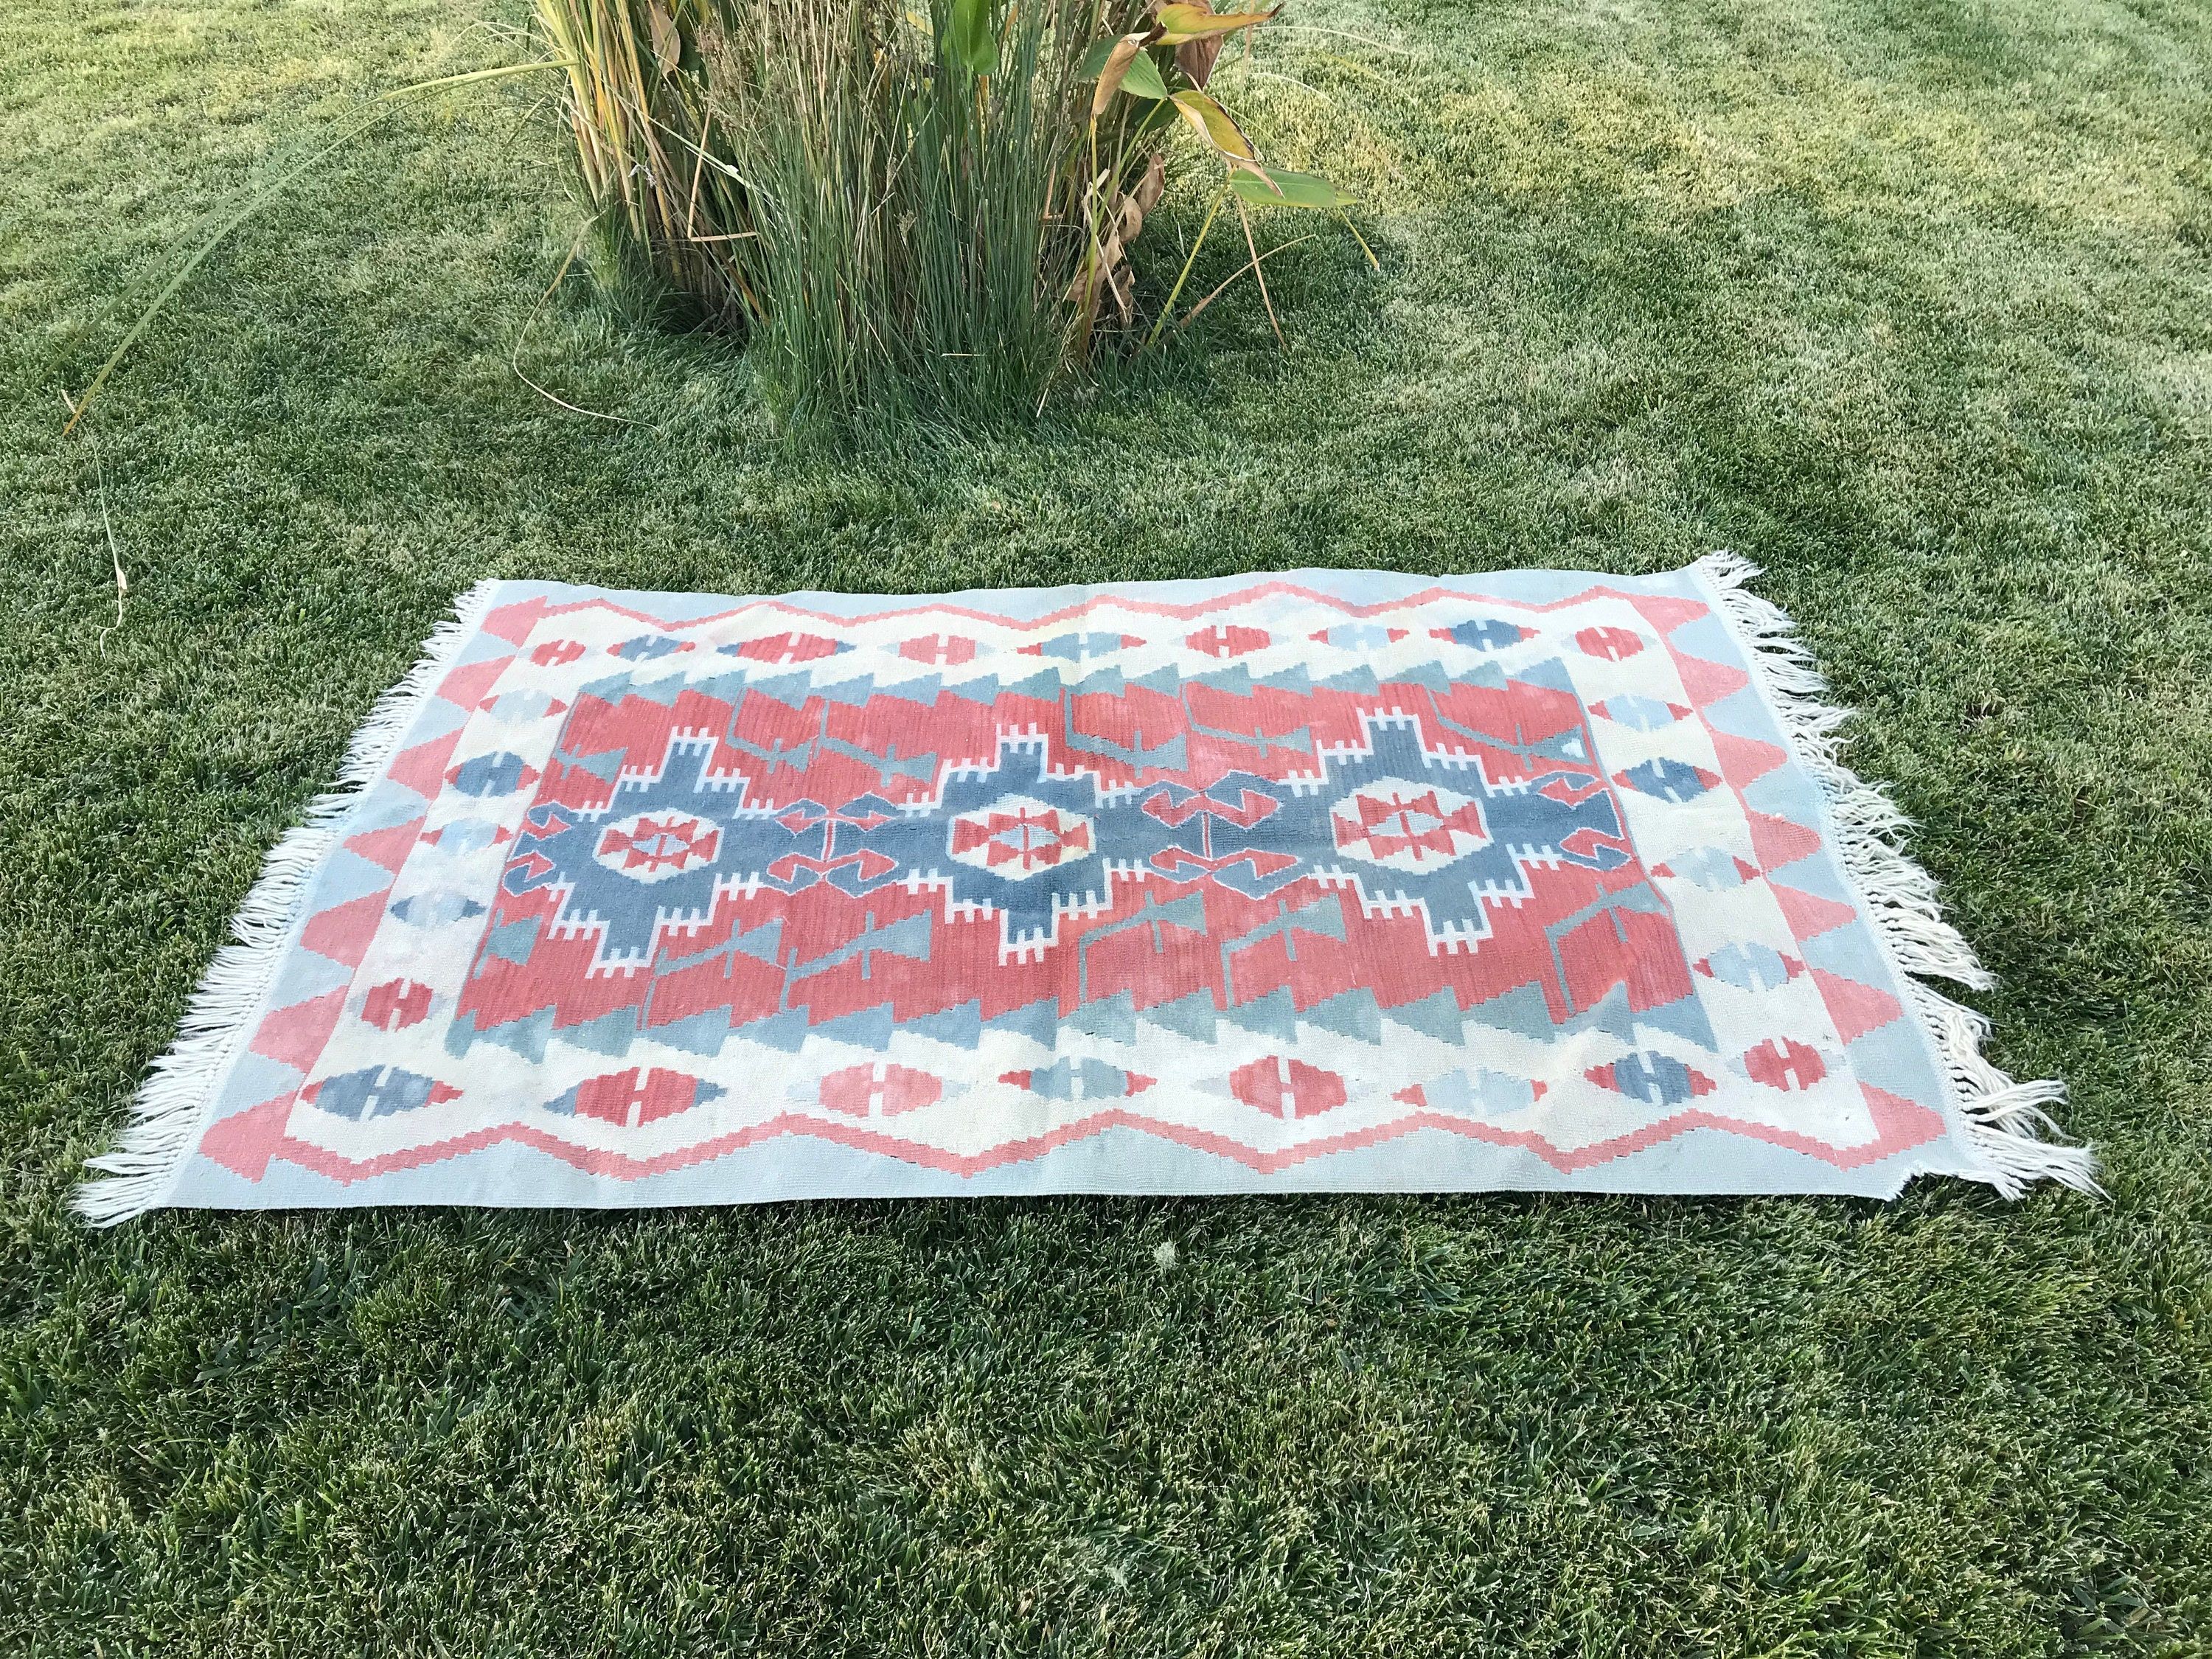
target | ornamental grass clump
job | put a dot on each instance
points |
(909, 213)
(903, 236)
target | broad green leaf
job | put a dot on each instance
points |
(1143, 79)
(971, 38)
(1212, 123)
(1180, 23)
(1280, 187)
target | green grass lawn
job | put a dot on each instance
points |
(1910, 299)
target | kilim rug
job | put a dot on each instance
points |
(1323, 880)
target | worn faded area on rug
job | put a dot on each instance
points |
(1316, 880)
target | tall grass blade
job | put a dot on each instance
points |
(261, 199)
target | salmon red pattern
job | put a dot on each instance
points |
(1319, 880)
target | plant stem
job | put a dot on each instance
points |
(1183, 275)
(1260, 276)
(1191, 315)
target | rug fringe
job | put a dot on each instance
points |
(171, 1110)
(2005, 1122)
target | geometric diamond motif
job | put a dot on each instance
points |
(650, 846)
(1403, 825)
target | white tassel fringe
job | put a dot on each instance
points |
(172, 1109)
(2003, 1121)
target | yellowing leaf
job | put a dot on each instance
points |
(1180, 23)
(1212, 123)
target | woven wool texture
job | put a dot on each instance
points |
(1322, 880)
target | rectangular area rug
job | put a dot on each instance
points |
(1322, 880)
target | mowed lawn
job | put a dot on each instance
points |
(1909, 300)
